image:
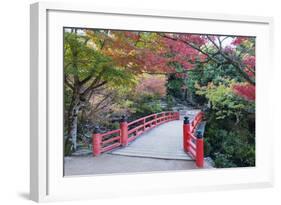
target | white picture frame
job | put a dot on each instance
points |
(47, 182)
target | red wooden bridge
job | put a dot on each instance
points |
(161, 135)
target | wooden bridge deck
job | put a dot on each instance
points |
(162, 142)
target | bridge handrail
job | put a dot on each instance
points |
(196, 120)
(158, 118)
(102, 142)
(144, 118)
(126, 133)
(110, 132)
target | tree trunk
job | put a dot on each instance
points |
(73, 126)
(73, 121)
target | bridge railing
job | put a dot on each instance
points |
(128, 131)
(193, 142)
(105, 141)
(139, 126)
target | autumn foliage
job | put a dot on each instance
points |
(246, 91)
(110, 73)
(152, 85)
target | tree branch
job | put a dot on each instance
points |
(95, 84)
(210, 39)
(68, 83)
(103, 100)
(85, 80)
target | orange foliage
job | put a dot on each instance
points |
(152, 84)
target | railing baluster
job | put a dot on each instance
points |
(199, 150)
(124, 131)
(96, 142)
(186, 130)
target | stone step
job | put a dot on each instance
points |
(152, 154)
(82, 152)
(151, 151)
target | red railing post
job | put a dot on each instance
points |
(96, 142)
(124, 131)
(186, 131)
(155, 119)
(199, 150)
(177, 115)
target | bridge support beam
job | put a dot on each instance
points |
(124, 131)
